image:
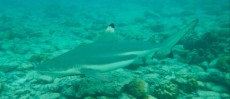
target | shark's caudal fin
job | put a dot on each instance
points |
(166, 46)
(171, 41)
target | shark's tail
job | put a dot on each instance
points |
(171, 41)
(167, 45)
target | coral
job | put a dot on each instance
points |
(223, 63)
(38, 58)
(166, 90)
(137, 88)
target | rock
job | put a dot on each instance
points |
(45, 79)
(212, 64)
(7, 46)
(204, 65)
(27, 96)
(1, 87)
(196, 69)
(7, 68)
(22, 91)
(203, 76)
(50, 96)
(149, 97)
(215, 75)
(70, 92)
(126, 96)
(225, 96)
(201, 84)
(208, 94)
(103, 97)
(89, 97)
(214, 87)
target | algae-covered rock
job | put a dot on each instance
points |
(137, 88)
(223, 63)
(166, 90)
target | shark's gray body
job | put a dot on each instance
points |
(108, 55)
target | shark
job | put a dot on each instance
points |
(108, 55)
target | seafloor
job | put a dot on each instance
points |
(32, 32)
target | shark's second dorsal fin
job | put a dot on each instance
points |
(109, 34)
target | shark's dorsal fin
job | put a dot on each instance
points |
(109, 34)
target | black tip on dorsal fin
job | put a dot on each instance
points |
(112, 25)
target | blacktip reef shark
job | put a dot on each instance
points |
(108, 55)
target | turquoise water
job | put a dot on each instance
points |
(34, 31)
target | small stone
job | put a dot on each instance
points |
(201, 84)
(22, 92)
(149, 97)
(211, 94)
(204, 64)
(103, 97)
(45, 79)
(50, 96)
(126, 96)
(26, 97)
(216, 88)
(196, 69)
(89, 97)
